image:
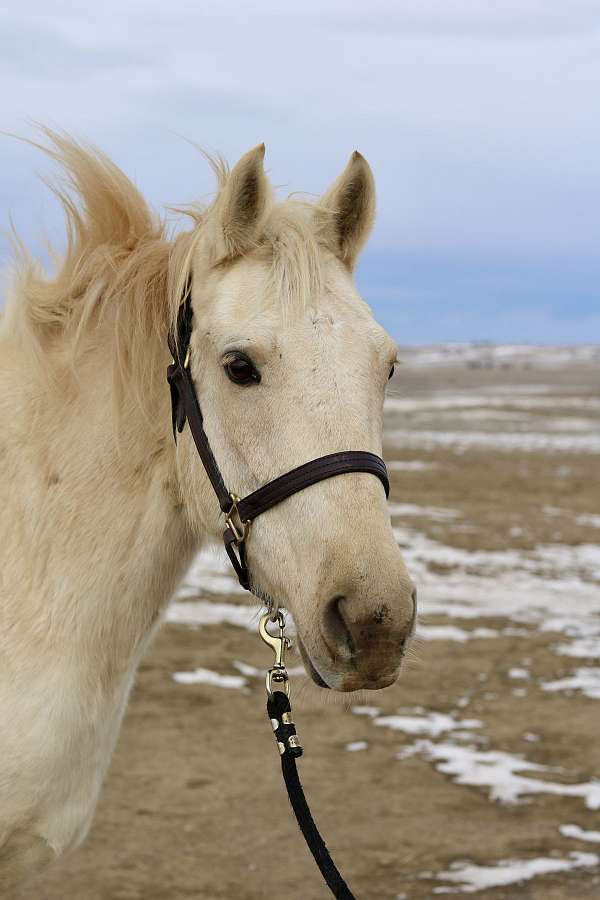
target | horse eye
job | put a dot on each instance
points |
(392, 370)
(240, 370)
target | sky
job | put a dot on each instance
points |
(480, 120)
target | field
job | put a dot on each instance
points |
(479, 771)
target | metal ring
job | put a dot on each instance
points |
(240, 529)
(281, 679)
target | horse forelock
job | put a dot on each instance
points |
(121, 265)
(291, 238)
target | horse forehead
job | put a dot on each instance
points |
(339, 316)
(349, 323)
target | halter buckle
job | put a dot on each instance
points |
(233, 520)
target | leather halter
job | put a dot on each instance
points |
(239, 514)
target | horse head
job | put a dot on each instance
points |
(290, 365)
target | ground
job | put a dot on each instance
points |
(481, 766)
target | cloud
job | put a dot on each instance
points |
(479, 119)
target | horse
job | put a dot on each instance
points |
(101, 511)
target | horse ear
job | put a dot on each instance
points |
(239, 209)
(350, 202)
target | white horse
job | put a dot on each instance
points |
(101, 512)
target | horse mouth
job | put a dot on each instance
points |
(309, 666)
(351, 679)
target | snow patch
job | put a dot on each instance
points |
(531, 356)
(355, 746)
(525, 586)
(499, 772)
(409, 465)
(454, 633)
(437, 513)
(471, 878)
(370, 711)
(528, 441)
(585, 680)
(206, 676)
(574, 831)
(203, 612)
(519, 674)
(593, 521)
(209, 572)
(431, 723)
(582, 648)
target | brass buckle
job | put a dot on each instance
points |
(240, 529)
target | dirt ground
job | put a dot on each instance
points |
(194, 807)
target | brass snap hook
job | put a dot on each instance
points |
(279, 643)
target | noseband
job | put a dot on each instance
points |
(240, 513)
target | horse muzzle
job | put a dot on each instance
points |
(358, 649)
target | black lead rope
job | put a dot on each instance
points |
(280, 714)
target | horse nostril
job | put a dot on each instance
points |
(336, 630)
(413, 620)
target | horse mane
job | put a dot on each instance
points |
(121, 265)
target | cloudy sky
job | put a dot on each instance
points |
(480, 119)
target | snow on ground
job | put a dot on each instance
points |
(210, 571)
(526, 586)
(574, 831)
(437, 513)
(454, 633)
(370, 711)
(206, 676)
(409, 465)
(204, 612)
(499, 773)
(585, 680)
(355, 746)
(530, 418)
(470, 878)
(528, 441)
(519, 673)
(593, 521)
(582, 648)
(483, 355)
(431, 723)
(490, 401)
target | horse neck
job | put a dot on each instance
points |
(109, 538)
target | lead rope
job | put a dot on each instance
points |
(280, 714)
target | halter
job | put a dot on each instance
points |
(240, 513)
